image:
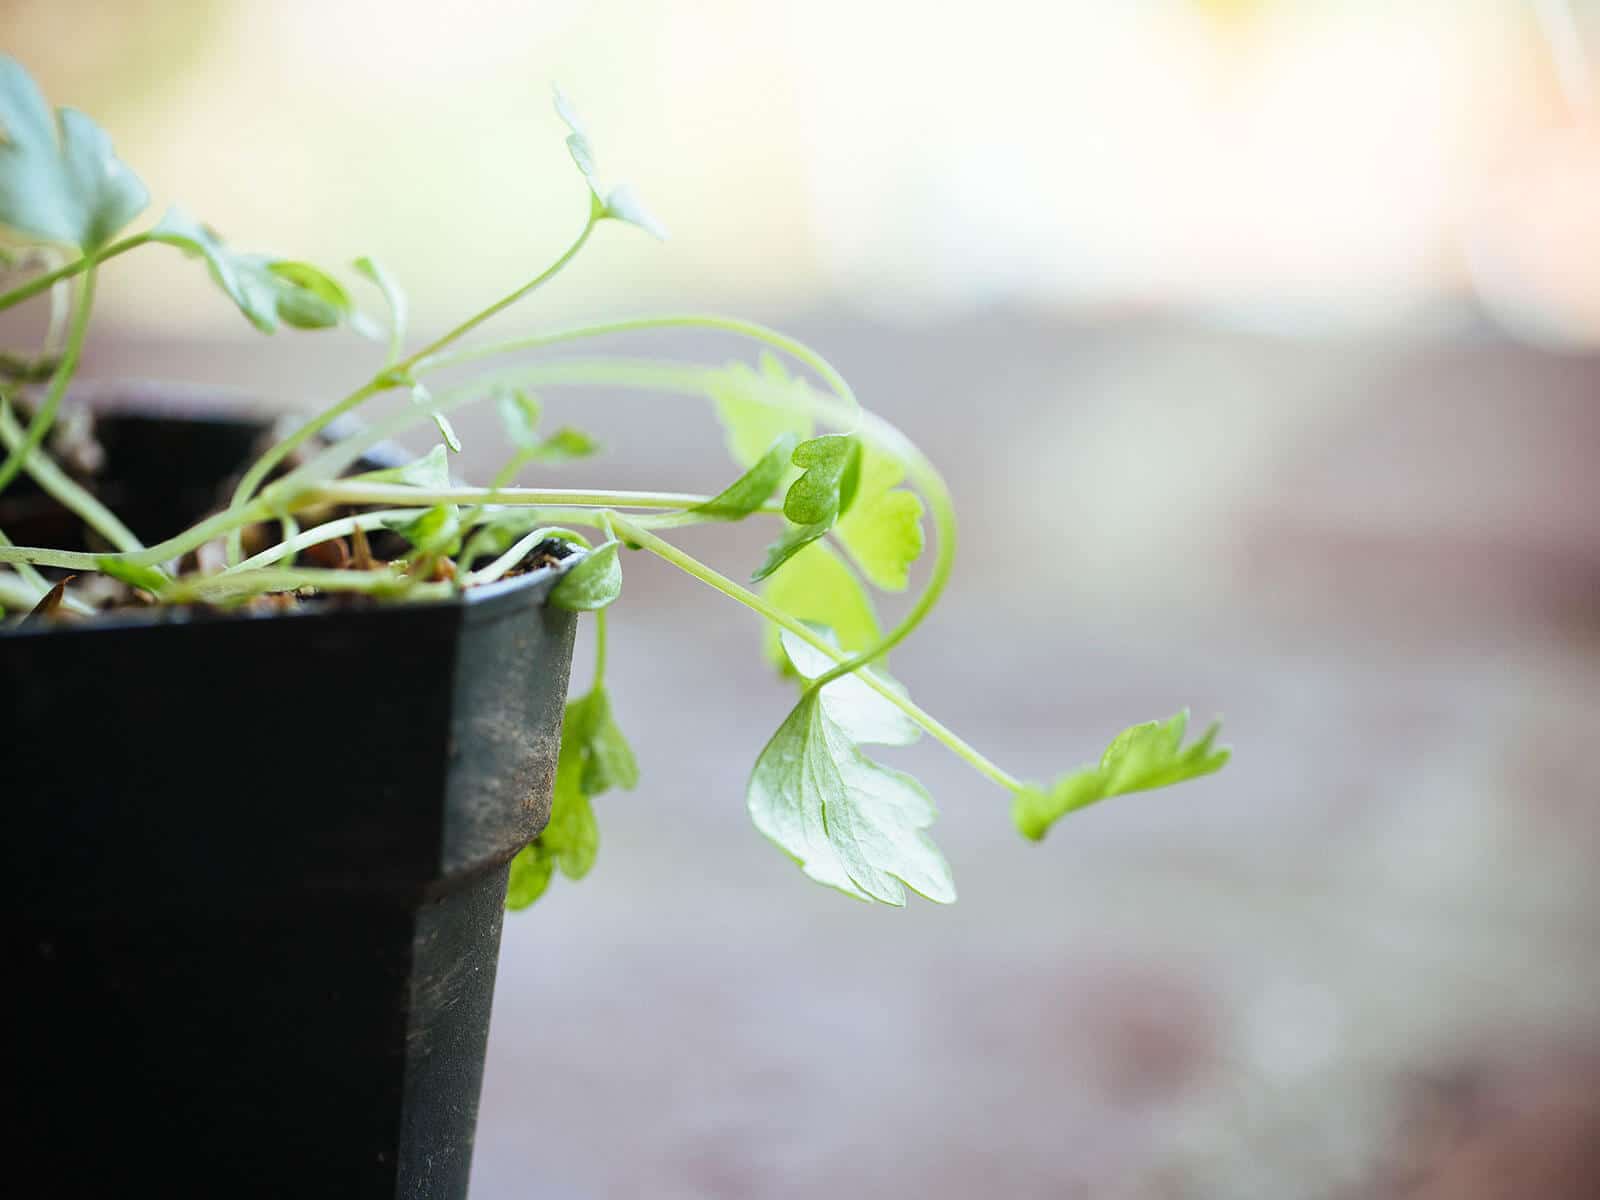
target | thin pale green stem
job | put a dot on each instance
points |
(599, 651)
(46, 415)
(55, 482)
(711, 578)
(434, 347)
(318, 534)
(77, 266)
(357, 492)
(395, 375)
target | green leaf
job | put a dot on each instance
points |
(531, 872)
(757, 408)
(608, 760)
(849, 822)
(519, 414)
(266, 289)
(60, 180)
(593, 582)
(817, 497)
(1140, 758)
(564, 445)
(883, 529)
(595, 758)
(150, 579)
(393, 295)
(795, 539)
(820, 588)
(431, 471)
(755, 487)
(868, 716)
(436, 531)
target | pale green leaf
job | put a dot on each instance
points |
(755, 487)
(393, 295)
(564, 445)
(431, 471)
(266, 289)
(868, 716)
(594, 581)
(883, 529)
(60, 180)
(818, 587)
(757, 408)
(1140, 758)
(520, 413)
(849, 822)
(623, 205)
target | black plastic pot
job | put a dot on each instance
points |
(256, 870)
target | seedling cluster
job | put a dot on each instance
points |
(847, 494)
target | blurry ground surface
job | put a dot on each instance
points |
(1362, 962)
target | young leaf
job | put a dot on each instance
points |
(621, 204)
(849, 822)
(757, 408)
(829, 463)
(436, 531)
(149, 579)
(393, 296)
(883, 529)
(818, 587)
(608, 760)
(431, 471)
(564, 445)
(795, 539)
(60, 180)
(755, 487)
(520, 413)
(577, 140)
(593, 582)
(422, 397)
(1139, 758)
(594, 758)
(267, 290)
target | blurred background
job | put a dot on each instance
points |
(1256, 338)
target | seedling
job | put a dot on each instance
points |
(847, 495)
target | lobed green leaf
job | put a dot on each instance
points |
(851, 823)
(1140, 758)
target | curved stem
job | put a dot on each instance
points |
(708, 321)
(505, 302)
(395, 375)
(45, 417)
(694, 567)
(76, 267)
